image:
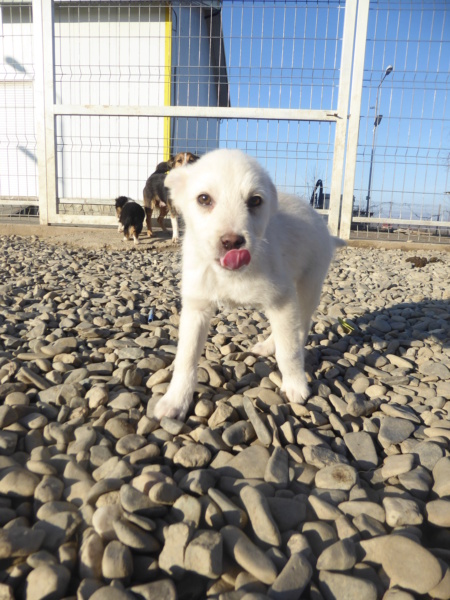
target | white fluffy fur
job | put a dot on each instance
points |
(290, 249)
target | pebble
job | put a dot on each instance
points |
(336, 586)
(340, 556)
(362, 448)
(336, 477)
(401, 511)
(292, 580)
(261, 519)
(251, 494)
(117, 561)
(394, 431)
(204, 554)
(438, 512)
(47, 581)
(248, 555)
(409, 565)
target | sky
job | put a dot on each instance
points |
(287, 55)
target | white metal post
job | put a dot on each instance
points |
(342, 113)
(44, 100)
(354, 118)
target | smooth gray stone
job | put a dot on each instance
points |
(49, 581)
(204, 554)
(18, 483)
(261, 519)
(249, 463)
(336, 477)
(59, 528)
(293, 579)
(288, 513)
(277, 468)
(171, 558)
(319, 535)
(262, 432)
(441, 475)
(163, 589)
(233, 515)
(401, 511)
(362, 448)
(117, 561)
(20, 541)
(193, 456)
(134, 537)
(336, 586)
(340, 556)
(394, 431)
(438, 512)
(249, 556)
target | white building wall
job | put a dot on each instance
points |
(108, 56)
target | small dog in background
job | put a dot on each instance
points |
(156, 195)
(131, 217)
(245, 244)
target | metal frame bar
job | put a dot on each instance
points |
(341, 121)
(354, 117)
(283, 114)
(44, 101)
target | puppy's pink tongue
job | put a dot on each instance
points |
(235, 259)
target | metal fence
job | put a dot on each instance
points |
(93, 94)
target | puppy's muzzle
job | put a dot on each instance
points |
(235, 256)
(232, 241)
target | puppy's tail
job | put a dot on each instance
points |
(338, 243)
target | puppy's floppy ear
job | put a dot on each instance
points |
(171, 162)
(163, 167)
(176, 181)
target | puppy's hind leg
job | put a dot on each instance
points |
(148, 220)
(194, 324)
(308, 299)
(175, 230)
(287, 332)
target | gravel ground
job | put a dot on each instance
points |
(347, 496)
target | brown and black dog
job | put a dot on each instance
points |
(156, 195)
(131, 216)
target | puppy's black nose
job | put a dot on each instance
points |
(232, 241)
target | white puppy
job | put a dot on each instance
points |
(244, 247)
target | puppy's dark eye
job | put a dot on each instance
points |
(204, 200)
(254, 201)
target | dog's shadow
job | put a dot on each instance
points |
(407, 330)
(405, 322)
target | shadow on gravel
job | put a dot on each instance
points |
(406, 322)
(417, 333)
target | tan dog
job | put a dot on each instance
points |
(156, 195)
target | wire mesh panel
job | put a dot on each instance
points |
(231, 54)
(402, 178)
(18, 162)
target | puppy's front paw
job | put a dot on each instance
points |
(175, 240)
(296, 389)
(173, 406)
(265, 348)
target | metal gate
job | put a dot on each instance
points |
(114, 87)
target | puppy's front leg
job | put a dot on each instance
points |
(194, 324)
(289, 352)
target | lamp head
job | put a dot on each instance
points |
(389, 70)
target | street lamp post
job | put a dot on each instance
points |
(376, 122)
